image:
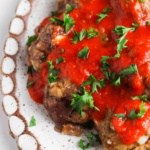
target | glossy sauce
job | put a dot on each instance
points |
(116, 99)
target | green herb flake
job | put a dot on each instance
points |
(91, 140)
(122, 31)
(122, 116)
(80, 100)
(83, 54)
(57, 21)
(30, 83)
(120, 46)
(32, 122)
(132, 69)
(79, 36)
(60, 60)
(103, 14)
(43, 57)
(135, 25)
(53, 73)
(31, 39)
(69, 8)
(134, 114)
(91, 33)
(105, 64)
(143, 98)
(94, 83)
(68, 22)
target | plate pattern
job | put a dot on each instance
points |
(17, 122)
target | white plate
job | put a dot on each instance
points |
(16, 101)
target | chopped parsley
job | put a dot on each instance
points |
(60, 60)
(67, 22)
(30, 83)
(31, 39)
(115, 78)
(91, 140)
(95, 84)
(122, 116)
(91, 33)
(82, 99)
(103, 14)
(135, 25)
(132, 69)
(53, 73)
(43, 57)
(122, 31)
(79, 36)
(134, 114)
(69, 8)
(143, 98)
(32, 122)
(83, 54)
(57, 21)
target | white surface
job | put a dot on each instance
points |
(7, 10)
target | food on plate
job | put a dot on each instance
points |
(89, 65)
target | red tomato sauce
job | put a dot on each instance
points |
(116, 99)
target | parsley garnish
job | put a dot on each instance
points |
(30, 83)
(79, 36)
(123, 116)
(92, 139)
(57, 21)
(91, 33)
(69, 8)
(53, 73)
(115, 78)
(122, 31)
(132, 69)
(60, 60)
(111, 76)
(32, 122)
(31, 39)
(95, 84)
(103, 14)
(134, 115)
(67, 22)
(80, 100)
(43, 57)
(84, 53)
(143, 98)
